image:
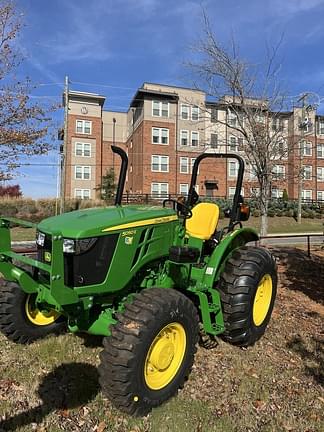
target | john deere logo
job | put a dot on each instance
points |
(129, 240)
(47, 256)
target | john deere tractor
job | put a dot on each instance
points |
(151, 280)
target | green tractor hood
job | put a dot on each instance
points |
(99, 221)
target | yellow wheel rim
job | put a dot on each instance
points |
(262, 300)
(37, 317)
(165, 356)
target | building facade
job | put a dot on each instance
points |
(164, 130)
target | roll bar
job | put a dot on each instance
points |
(237, 196)
(122, 173)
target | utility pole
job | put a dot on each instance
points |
(302, 127)
(65, 142)
(114, 143)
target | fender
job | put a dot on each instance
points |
(229, 243)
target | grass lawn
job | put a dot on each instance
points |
(277, 225)
(22, 234)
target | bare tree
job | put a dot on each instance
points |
(253, 100)
(23, 123)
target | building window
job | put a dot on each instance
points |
(307, 172)
(84, 126)
(160, 109)
(233, 143)
(184, 137)
(82, 149)
(231, 192)
(233, 168)
(82, 193)
(184, 165)
(307, 195)
(278, 124)
(232, 119)
(184, 188)
(185, 112)
(82, 172)
(321, 127)
(306, 148)
(320, 195)
(213, 140)
(253, 173)
(214, 115)
(320, 150)
(159, 190)
(320, 173)
(160, 136)
(192, 161)
(160, 163)
(194, 139)
(278, 172)
(276, 193)
(195, 113)
(240, 143)
(259, 118)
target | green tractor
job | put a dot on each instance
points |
(150, 280)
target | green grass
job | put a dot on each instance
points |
(279, 225)
(22, 234)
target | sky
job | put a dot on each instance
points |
(112, 46)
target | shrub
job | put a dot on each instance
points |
(271, 213)
(256, 213)
(8, 207)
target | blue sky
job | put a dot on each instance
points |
(114, 46)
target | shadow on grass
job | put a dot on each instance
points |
(312, 354)
(67, 386)
(90, 341)
(302, 273)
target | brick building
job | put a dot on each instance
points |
(164, 130)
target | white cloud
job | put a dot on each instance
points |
(292, 7)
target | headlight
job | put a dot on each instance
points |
(78, 246)
(68, 246)
(40, 238)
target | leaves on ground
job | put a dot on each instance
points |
(277, 385)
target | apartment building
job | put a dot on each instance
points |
(163, 131)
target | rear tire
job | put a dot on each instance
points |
(150, 351)
(20, 320)
(248, 289)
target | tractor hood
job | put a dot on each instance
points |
(100, 221)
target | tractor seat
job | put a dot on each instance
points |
(204, 221)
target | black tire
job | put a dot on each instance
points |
(124, 372)
(244, 272)
(14, 321)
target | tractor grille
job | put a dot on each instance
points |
(85, 268)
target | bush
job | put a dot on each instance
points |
(8, 207)
(47, 206)
(256, 213)
(271, 213)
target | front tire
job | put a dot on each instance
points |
(20, 319)
(248, 288)
(150, 351)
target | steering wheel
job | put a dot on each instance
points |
(181, 208)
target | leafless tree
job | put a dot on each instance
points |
(23, 123)
(252, 97)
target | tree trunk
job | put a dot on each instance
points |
(264, 224)
(265, 190)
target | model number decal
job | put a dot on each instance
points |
(128, 233)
